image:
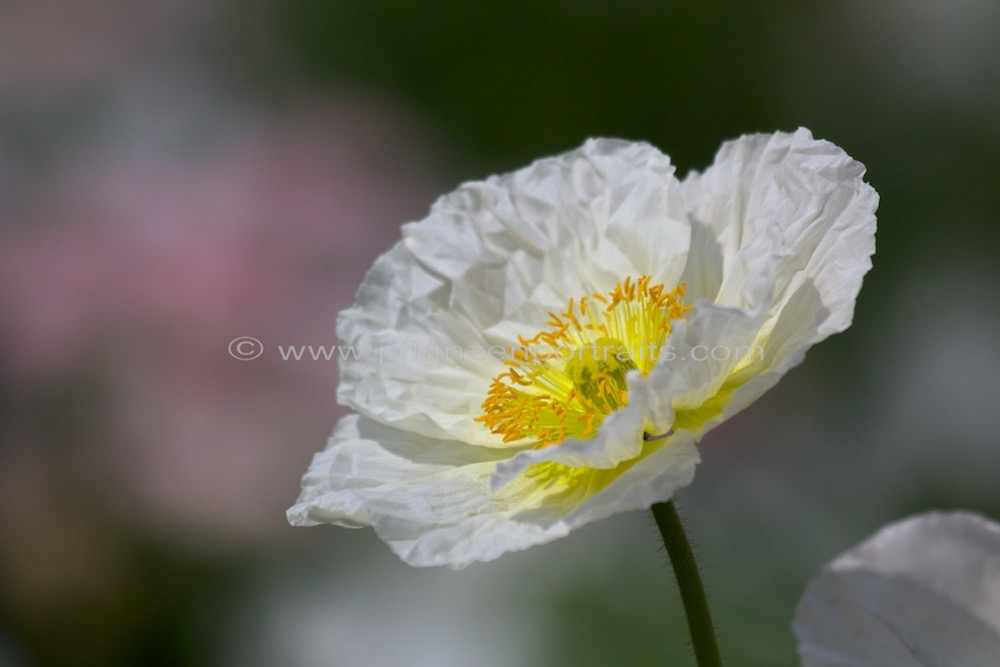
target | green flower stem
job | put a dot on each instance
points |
(706, 649)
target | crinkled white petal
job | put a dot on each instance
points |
(810, 190)
(432, 503)
(429, 500)
(922, 591)
(365, 459)
(489, 263)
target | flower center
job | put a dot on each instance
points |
(566, 379)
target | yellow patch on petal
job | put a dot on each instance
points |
(565, 380)
(551, 488)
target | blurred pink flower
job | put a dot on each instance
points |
(142, 270)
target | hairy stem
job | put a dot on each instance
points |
(706, 649)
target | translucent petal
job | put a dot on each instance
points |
(431, 501)
(811, 191)
(921, 592)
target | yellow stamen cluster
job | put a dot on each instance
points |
(565, 380)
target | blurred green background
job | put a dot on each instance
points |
(177, 174)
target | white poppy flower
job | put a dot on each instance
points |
(546, 348)
(922, 592)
